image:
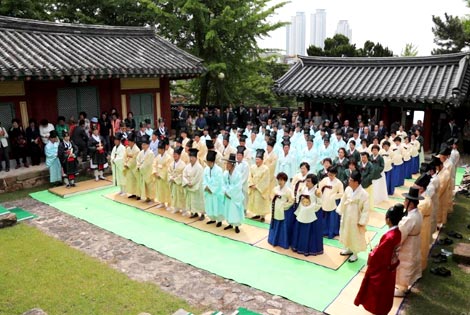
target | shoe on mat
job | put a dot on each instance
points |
(262, 219)
(219, 224)
(454, 234)
(237, 229)
(256, 217)
(440, 259)
(444, 241)
(194, 215)
(353, 258)
(228, 227)
(210, 222)
(202, 217)
(138, 198)
(441, 271)
(346, 252)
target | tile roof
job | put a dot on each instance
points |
(34, 48)
(402, 79)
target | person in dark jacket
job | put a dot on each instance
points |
(18, 143)
(365, 168)
(33, 138)
(80, 138)
(67, 155)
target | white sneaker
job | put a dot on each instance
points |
(161, 205)
(353, 258)
(346, 252)
(175, 210)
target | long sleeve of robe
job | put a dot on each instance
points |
(330, 195)
(425, 208)
(258, 197)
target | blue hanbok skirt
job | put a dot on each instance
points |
(389, 182)
(278, 234)
(398, 175)
(307, 238)
(415, 163)
(331, 221)
(408, 166)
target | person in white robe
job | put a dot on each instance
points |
(213, 190)
(175, 180)
(354, 210)
(117, 163)
(145, 167)
(192, 182)
(409, 270)
(286, 161)
(243, 168)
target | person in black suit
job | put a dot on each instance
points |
(448, 131)
(366, 135)
(227, 117)
(181, 118)
(382, 130)
(80, 138)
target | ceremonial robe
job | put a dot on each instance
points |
(117, 162)
(258, 197)
(160, 171)
(192, 183)
(354, 209)
(233, 198)
(175, 179)
(282, 200)
(214, 198)
(53, 162)
(409, 270)
(378, 286)
(146, 180)
(130, 170)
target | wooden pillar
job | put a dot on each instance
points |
(24, 114)
(385, 114)
(165, 101)
(428, 128)
(123, 106)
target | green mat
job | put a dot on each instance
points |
(300, 281)
(20, 213)
(244, 311)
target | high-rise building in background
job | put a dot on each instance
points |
(318, 28)
(295, 35)
(343, 28)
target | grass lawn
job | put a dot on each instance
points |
(440, 295)
(39, 271)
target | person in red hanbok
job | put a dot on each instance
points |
(378, 286)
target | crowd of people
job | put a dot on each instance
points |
(317, 179)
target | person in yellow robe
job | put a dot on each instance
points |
(175, 180)
(270, 160)
(144, 166)
(444, 176)
(130, 168)
(185, 153)
(425, 208)
(160, 172)
(192, 182)
(227, 149)
(354, 210)
(448, 197)
(200, 145)
(258, 188)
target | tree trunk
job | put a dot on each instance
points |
(203, 91)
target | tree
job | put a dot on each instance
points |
(410, 50)
(221, 32)
(451, 34)
(339, 46)
(30, 9)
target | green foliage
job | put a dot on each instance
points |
(410, 50)
(339, 46)
(30, 9)
(39, 271)
(452, 34)
(224, 34)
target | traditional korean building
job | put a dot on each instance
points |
(51, 69)
(390, 87)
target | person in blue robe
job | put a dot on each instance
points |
(213, 190)
(51, 151)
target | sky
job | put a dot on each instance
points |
(393, 23)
